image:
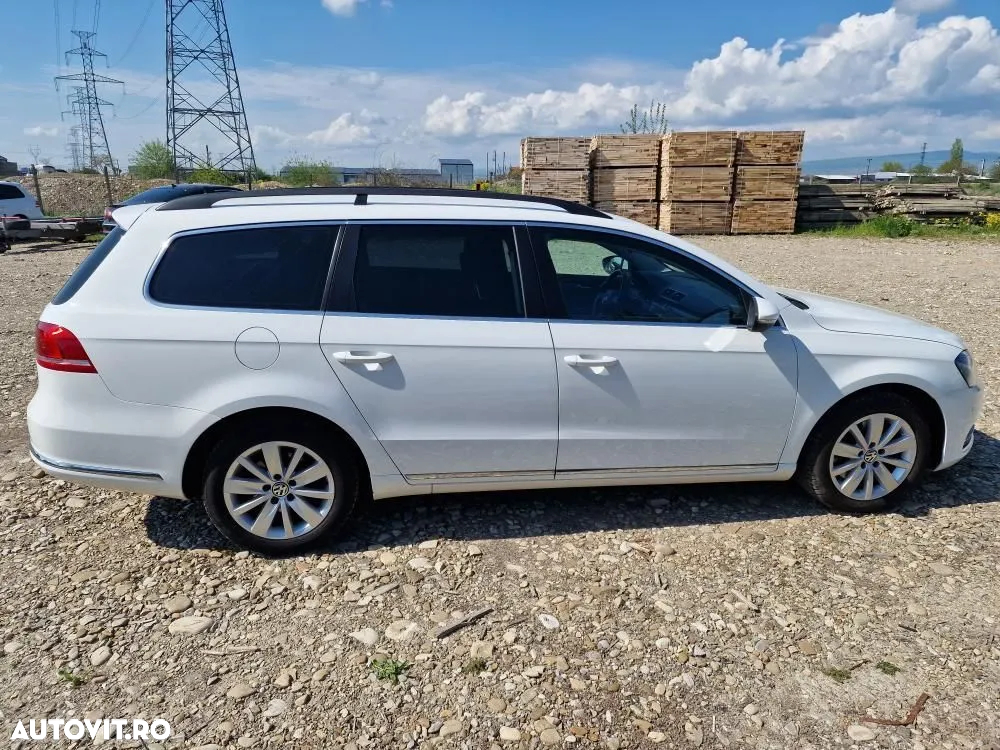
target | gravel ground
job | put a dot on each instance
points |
(713, 616)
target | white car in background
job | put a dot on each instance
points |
(16, 201)
(285, 356)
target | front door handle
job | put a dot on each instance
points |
(368, 358)
(582, 360)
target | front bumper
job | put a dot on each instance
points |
(961, 409)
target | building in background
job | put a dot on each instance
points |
(7, 168)
(456, 171)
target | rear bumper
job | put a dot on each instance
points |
(961, 409)
(80, 432)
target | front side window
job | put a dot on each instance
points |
(446, 270)
(604, 276)
(10, 193)
(265, 268)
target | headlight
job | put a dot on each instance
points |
(965, 366)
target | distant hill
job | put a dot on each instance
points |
(858, 164)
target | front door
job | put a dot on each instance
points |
(657, 369)
(431, 341)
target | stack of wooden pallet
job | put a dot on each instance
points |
(696, 182)
(823, 206)
(624, 175)
(556, 167)
(767, 181)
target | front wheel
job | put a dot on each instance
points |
(866, 454)
(280, 489)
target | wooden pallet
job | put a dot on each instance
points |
(770, 146)
(763, 217)
(645, 212)
(570, 184)
(767, 183)
(715, 148)
(555, 153)
(624, 184)
(625, 151)
(691, 217)
(696, 183)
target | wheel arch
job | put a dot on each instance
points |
(921, 399)
(192, 476)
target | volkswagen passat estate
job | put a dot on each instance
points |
(287, 356)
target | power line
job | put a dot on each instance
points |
(97, 14)
(138, 31)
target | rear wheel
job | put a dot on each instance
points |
(866, 454)
(280, 489)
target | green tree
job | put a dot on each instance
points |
(956, 162)
(994, 172)
(153, 161)
(651, 121)
(893, 166)
(210, 175)
(305, 173)
(921, 170)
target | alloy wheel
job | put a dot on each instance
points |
(279, 490)
(873, 456)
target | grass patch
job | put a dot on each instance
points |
(899, 226)
(389, 669)
(474, 666)
(839, 675)
(73, 680)
(887, 667)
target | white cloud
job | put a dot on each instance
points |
(922, 6)
(342, 7)
(343, 131)
(41, 131)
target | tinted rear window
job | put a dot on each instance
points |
(268, 268)
(10, 192)
(446, 270)
(89, 265)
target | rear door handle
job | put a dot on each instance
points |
(582, 360)
(375, 358)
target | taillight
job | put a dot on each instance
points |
(56, 348)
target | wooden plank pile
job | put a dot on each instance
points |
(556, 167)
(826, 206)
(696, 182)
(624, 175)
(925, 202)
(713, 182)
(767, 181)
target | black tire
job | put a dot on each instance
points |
(814, 463)
(347, 503)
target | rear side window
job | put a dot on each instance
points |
(266, 268)
(447, 270)
(10, 192)
(89, 265)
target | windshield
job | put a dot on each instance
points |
(168, 193)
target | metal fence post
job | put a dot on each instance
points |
(38, 189)
(107, 187)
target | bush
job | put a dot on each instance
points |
(993, 222)
(891, 226)
(305, 173)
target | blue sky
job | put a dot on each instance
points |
(402, 82)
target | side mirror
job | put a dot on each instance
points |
(612, 264)
(762, 314)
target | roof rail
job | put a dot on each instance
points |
(207, 200)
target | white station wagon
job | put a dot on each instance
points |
(287, 356)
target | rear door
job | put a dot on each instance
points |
(430, 334)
